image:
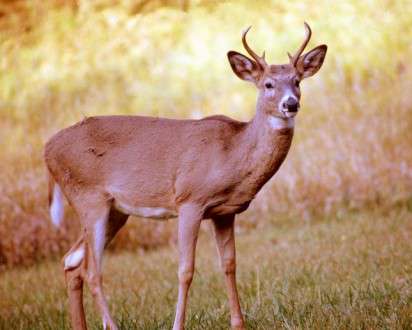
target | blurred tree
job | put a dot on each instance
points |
(148, 5)
(73, 4)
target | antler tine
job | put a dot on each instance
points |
(260, 60)
(294, 59)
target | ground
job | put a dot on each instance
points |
(350, 271)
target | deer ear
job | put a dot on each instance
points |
(244, 67)
(310, 63)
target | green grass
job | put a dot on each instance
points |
(348, 272)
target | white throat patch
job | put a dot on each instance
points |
(279, 123)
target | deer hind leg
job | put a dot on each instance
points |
(225, 241)
(74, 275)
(99, 234)
(83, 262)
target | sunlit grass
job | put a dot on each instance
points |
(352, 145)
(351, 273)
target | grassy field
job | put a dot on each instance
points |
(352, 272)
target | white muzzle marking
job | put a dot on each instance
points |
(284, 111)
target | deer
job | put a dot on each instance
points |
(111, 167)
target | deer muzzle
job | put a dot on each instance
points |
(291, 104)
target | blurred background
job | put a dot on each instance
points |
(61, 60)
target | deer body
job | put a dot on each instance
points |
(114, 166)
(135, 177)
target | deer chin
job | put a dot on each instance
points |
(278, 122)
(289, 114)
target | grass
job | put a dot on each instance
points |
(348, 272)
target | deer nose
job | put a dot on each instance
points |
(291, 104)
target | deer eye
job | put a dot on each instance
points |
(297, 82)
(269, 85)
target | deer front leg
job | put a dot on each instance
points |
(225, 240)
(188, 229)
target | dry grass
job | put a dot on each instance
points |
(352, 148)
(329, 273)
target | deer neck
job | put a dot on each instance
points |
(268, 142)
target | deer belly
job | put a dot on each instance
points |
(159, 213)
(227, 208)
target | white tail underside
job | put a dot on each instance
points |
(57, 206)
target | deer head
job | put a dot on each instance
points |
(278, 85)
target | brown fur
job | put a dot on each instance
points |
(208, 168)
(115, 150)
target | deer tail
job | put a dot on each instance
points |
(56, 202)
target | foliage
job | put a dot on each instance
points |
(63, 60)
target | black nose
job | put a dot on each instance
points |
(291, 104)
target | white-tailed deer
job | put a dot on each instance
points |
(114, 166)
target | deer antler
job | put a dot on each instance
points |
(259, 59)
(294, 59)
